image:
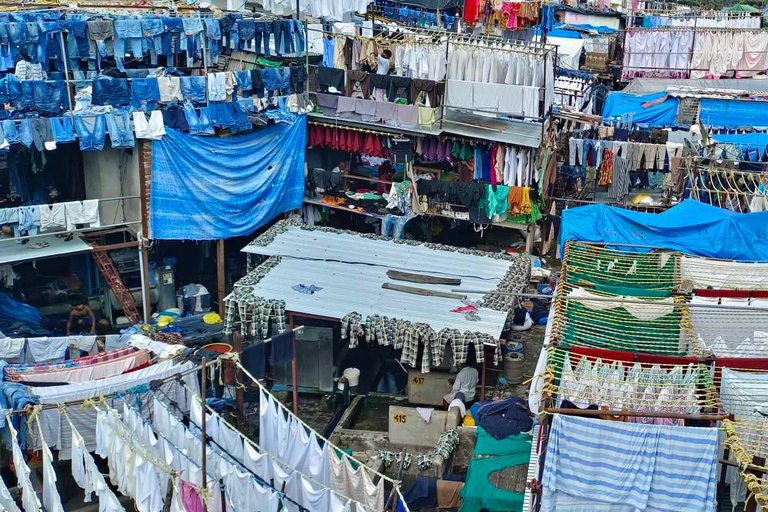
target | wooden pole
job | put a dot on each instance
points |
(237, 342)
(145, 169)
(220, 278)
(203, 391)
(636, 414)
(294, 369)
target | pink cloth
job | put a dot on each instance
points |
(464, 309)
(190, 500)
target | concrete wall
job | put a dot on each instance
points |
(113, 173)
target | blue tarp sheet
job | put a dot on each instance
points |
(213, 188)
(743, 140)
(733, 114)
(662, 115)
(690, 227)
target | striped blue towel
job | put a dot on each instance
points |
(598, 466)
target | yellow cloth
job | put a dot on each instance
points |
(469, 421)
(212, 318)
(426, 116)
(526, 200)
(164, 320)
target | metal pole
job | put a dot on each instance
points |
(237, 343)
(294, 369)
(66, 77)
(144, 283)
(203, 391)
(445, 91)
(220, 276)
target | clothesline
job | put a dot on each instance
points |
(248, 440)
(396, 483)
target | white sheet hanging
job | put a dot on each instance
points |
(356, 484)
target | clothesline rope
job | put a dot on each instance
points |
(278, 459)
(394, 482)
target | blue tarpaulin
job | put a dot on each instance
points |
(743, 140)
(690, 227)
(733, 113)
(212, 188)
(662, 115)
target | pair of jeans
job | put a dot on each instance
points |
(244, 82)
(198, 124)
(49, 96)
(193, 88)
(92, 131)
(62, 129)
(145, 93)
(111, 91)
(393, 225)
(25, 132)
(263, 30)
(283, 40)
(152, 29)
(128, 35)
(17, 37)
(297, 29)
(213, 37)
(246, 33)
(276, 79)
(49, 45)
(120, 132)
(226, 24)
(27, 95)
(10, 131)
(191, 38)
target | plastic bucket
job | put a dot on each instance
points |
(353, 376)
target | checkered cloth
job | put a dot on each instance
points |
(352, 328)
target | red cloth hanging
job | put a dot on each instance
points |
(494, 153)
(343, 140)
(471, 10)
(368, 145)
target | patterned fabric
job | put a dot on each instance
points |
(101, 357)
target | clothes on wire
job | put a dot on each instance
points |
(624, 466)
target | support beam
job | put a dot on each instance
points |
(294, 368)
(220, 276)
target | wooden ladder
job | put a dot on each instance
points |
(115, 282)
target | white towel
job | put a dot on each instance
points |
(425, 413)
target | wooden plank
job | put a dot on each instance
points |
(421, 278)
(422, 291)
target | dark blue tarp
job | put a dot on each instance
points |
(733, 113)
(206, 188)
(662, 115)
(690, 227)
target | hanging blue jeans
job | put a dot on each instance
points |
(153, 30)
(25, 132)
(49, 46)
(191, 39)
(144, 93)
(49, 96)
(92, 131)
(227, 23)
(193, 87)
(246, 33)
(62, 129)
(297, 29)
(213, 37)
(27, 95)
(263, 30)
(198, 124)
(33, 38)
(393, 225)
(17, 35)
(10, 131)
(244, 82)
(111, 91)
(128, 35)
(283, 41)
(120, 132)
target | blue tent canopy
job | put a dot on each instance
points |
(690, 227)
(664, 114)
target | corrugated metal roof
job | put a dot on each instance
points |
(351, 270)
